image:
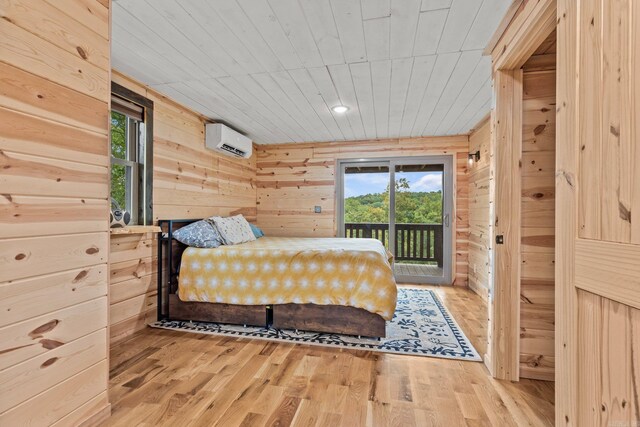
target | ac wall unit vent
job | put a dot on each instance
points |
(222, 138)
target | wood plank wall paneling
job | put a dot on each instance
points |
(54, 95)
(293, 178)
(537, 273)
(132, 283)
(537, 256)
(479, 211)
(189, 181)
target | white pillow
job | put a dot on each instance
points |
(234, 229)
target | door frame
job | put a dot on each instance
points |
(448, 207)
(517, 38)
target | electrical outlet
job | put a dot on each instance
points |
(317, 209)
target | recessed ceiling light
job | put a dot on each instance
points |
(340, 109)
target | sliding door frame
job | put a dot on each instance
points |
(447, 207)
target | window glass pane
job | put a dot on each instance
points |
(118, 135)
(119, 185)
(132, 192)
(141, 138)
(134, 137)
(419, 235)
(366, 202)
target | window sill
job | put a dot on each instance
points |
(135, 229)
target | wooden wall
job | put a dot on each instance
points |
(132, 283)
(598, 213)
(189, 181)
(292, 179)
(537, 256)
(54, 102)
(479, 210)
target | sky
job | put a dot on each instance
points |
(358, 184)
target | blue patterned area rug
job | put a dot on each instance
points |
(421, 326)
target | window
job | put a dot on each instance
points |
(131, 157)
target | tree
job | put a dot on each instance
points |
(119, 150)
(411, 207)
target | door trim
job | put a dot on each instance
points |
(530, 26)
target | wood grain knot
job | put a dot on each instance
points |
(568, 178)
(47, 327)
(80, 276)
(92, 250)
(625, 213)
(40, 96)
(82, 53)
(538, 195)
(20, 257)
(49, 362)
(50, 344)
(614, 131)
(539, 129)
(525, 299)
(534, 361)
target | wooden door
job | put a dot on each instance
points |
(598, 213)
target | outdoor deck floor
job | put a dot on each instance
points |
(417, 270)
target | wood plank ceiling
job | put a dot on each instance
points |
(274, 68)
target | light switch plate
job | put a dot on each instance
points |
(317, 209)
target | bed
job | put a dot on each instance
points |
(317, 284)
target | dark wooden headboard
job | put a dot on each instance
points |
(169, 257)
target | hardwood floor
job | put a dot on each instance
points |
(166, 378)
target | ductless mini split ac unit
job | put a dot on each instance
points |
(222, 138)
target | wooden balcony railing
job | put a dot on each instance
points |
(413, 242)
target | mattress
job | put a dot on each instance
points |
(281, 270)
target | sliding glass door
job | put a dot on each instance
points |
(406, 203)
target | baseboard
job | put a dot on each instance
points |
(487, 363)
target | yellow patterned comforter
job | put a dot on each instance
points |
(280, 270)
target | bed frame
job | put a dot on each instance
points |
(307, 317)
